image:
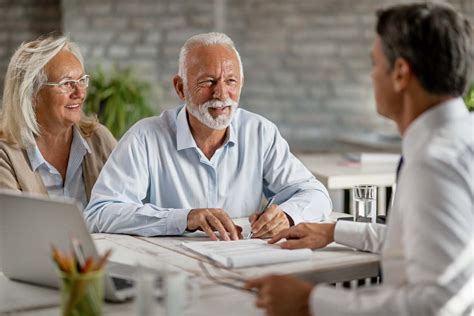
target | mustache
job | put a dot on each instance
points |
(217, 104)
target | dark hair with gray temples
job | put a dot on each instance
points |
(434, 39)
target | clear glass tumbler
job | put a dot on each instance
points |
(163, 291)
(365, 203)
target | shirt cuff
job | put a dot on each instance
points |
(290, 212)
(325, 300)
(348, 233)
(177, 221)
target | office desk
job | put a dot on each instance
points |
(212, 300)
(333, 264)
(336, 173)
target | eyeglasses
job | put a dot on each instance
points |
(69, 85)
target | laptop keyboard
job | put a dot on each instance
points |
(121, 283)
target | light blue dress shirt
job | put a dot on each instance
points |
(73, 185)
(157, 174)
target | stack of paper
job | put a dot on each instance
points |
(372, 157)
(246, 253)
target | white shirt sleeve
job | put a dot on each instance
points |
(362, 236)
(436, 232)
(118, 204)
(295, 189)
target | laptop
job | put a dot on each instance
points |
(29, 224)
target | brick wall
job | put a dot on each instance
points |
(24, 20)
(306, 62)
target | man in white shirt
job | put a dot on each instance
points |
(422, 56)
(205, 162)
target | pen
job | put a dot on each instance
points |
(269, 203)
(78, 253)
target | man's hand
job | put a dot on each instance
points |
(282, 295)
(306, 235)
(268, 223)
(214, 219)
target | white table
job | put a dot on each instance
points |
(337, 173)
(333, 264)
(212, 300)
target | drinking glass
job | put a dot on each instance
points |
(163, 291)
(365, 203)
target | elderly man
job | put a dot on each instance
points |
(422, 56)
(201, 164)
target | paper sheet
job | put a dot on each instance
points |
(246, 253)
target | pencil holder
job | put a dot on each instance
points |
(82, 294)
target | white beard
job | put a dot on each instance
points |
(201, 113)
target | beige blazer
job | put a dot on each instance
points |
(16, 172)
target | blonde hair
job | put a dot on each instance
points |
(24, 78)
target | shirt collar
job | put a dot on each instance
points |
(35, 156)
(416, 134)
(183, 133)
(184, 138)
(232, 135)
(78, 144)
(81, 142)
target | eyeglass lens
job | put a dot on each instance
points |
(70, 85)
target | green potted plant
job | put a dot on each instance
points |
(469, 97)
(118, 99)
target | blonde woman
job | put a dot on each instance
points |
(47, 144)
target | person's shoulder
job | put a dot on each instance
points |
(99, 136)
(8, 146)
(438, 179)
(100, 140)
(154, 126)
(250, 119)
(6, 143)
(446, 156)
(248, 116)
(10, 152)
(102, 131)
(450, 144)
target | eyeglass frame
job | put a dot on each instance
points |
(76, 83)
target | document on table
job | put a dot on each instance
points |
(246, 253)
(372, 157)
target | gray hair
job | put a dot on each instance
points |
(205, 39)
(24, 78)
(434, 39)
